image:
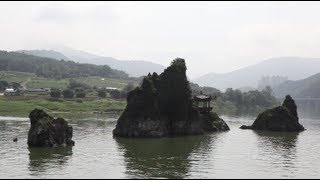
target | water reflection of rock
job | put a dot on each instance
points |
(280, 149)
(283, 140)
(43, 159)
(161, 158)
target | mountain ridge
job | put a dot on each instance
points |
(134, 68)
(292, 67)
(304, 88)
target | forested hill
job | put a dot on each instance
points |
(46, 53)
(294, 68)
(134, 68)
(51, 68)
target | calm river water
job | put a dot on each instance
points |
(96, 154)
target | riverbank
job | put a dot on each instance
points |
(22, 106)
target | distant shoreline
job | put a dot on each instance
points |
(11, 107)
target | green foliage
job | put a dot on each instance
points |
(22, 106)
(235, 102)
(174, 89)
(15, 85)
(73, 84)
(210, 91)
(168, 93)
(13, 76)
(79, 101)
(55, 93)
(51, 68)
(3, 85)
(248, 101)
(102, 93)
(79, 88)
(40, 82)
(99, 82)
(178, 65)
(68, 93)
(115, 94)
(290, 104)
(80, 94)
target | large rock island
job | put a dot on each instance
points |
(46, 131)
(282, 118)
(162, 106)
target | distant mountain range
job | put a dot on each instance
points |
(134, 68)
(305, 88)
(45, 53)
(294, 68)
(52, 68)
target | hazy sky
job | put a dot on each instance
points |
(211, 36)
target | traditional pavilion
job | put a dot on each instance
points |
(203, 103)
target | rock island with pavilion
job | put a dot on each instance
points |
(163, 106)
(203, 102)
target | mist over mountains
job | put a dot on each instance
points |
(55, 69)
(303, 80)
(304, 88)
(134, 68)
(294, 68)
(45, 53)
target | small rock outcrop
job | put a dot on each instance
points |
(282, 118)
(162, 106)
(48, 131)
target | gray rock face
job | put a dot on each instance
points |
(162, 106)
(281, 118)
(47, 131)
(162, 127)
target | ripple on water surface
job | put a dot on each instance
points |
(96, 154)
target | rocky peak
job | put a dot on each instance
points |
(163, 106)
(281, 118)
(290, 104)
(48, 131)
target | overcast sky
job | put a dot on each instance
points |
(212, 36)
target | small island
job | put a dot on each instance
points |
(163, 106)
(282, 118)
(46, 131)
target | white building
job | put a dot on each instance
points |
(111, 88)
(9, 90)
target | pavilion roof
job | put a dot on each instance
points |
(203, 98)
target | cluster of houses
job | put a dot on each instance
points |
(18, 92)
(111, 88)
(11, 92)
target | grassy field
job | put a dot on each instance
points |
(104, 82)
(37, 82)
(40, 82)
(21, 106)
(15, 76)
